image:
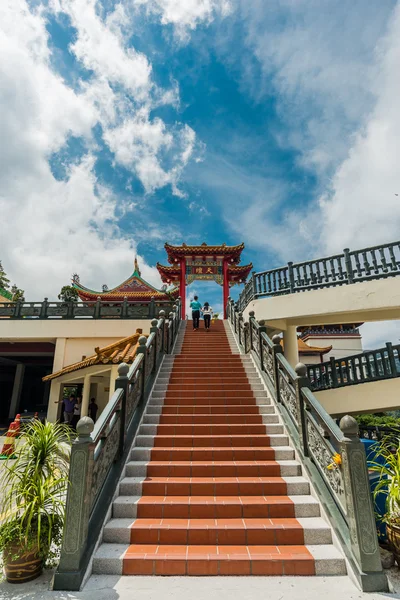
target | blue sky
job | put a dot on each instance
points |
(133, 123)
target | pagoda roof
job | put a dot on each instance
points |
(177, 252)
(173, 273)
(5, 295)
(121, 351)
(304, 348)
(134, 289)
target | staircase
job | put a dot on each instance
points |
(213, 487)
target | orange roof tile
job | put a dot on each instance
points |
(121, 351)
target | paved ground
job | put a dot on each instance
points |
(108, 587)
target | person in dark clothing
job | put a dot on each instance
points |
(196, 307)
(207, 312)
(93, 408)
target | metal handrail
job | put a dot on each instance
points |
(351, 266)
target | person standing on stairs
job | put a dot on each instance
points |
(207, 313)
(196, 307)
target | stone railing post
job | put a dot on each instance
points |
(154, 329)
(77, 510)
(70, 309)
(246, 335)
(171, 331)
(261, 329)
(240, 328)
(333, 372)
(291, 277)
(122, 382)
(97, 308)
(392, 360)
(142, 350)
(348, 265)
(124, 308)
(253, 284)
(251, 317)
(43, 308)
(152, 308)
(276, 349)
(360, 513)
(231, 311)
(161, 315)
(301, 381)
(17, 309)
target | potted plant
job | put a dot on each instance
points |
(33, 501)
(387, 465)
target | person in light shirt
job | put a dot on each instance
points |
(207, 314)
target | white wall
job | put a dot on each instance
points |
(341, 346)
(375, 396)
(48, 330)
(377, 300)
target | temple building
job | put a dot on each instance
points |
(133, 289)
(336, 341)
(93, 376)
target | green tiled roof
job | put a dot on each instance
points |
(5, 294)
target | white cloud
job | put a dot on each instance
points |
(185, 15)
(361, 208)
(333, 70)
(375, 335)
(50, 228)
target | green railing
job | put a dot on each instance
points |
(100, 451)
(343, 491)
(372, 365)
(84, 310)
(351, 266)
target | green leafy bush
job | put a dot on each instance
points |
(35, 485)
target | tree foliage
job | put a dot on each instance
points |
(17, 293)
(68, 294)
(4, 281)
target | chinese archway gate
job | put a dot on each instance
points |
(206, 263)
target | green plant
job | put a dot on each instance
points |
(387, 465)
(35, 484)
(68, 294)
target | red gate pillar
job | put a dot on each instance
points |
(226, 287)
(182, 288)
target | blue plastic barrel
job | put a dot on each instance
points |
(379, 501)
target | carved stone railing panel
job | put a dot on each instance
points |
(287, 394)
(133, 395)
(150, 359)
(321, 451)
(254, 336)
(268, 360)
(80, 310)
(104, 456)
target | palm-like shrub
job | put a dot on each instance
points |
(387, 465)
(33, 488)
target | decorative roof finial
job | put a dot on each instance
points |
(137, 270)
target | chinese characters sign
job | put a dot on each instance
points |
(204, 270)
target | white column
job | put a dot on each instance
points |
(16, 393)
(55, 388)
(290, 346)
(113, 377)
(85, 396)
(54, 396)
